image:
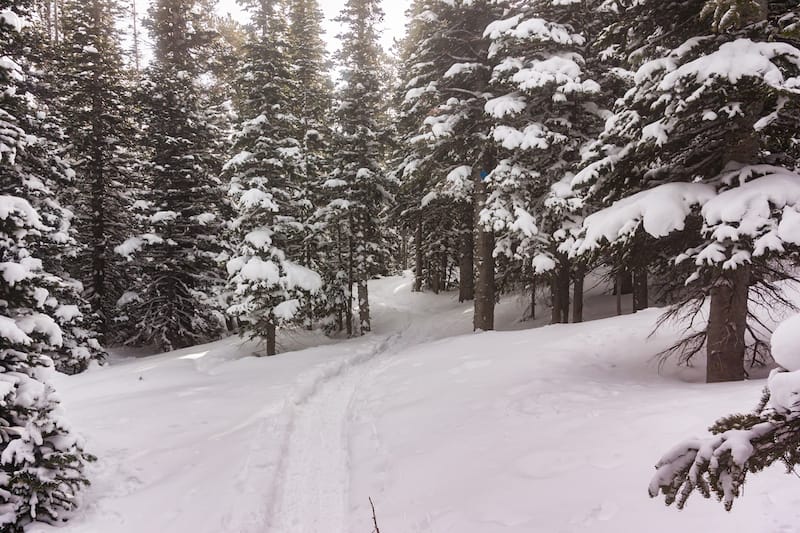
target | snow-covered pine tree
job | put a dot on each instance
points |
(178, 243)
(311, 94)
(446, 89)
(92, 107)
(41, 460)
(550, 106)
(78, 322)
(267, 185)
(435, 211)
(359, 159)
(697, 155)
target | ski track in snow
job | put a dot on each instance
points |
(311, 490)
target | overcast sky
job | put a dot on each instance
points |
(394, 23)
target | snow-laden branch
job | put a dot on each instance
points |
(718, 465)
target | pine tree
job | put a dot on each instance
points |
(41, 461)
(434, 204)
(178, 245)
(448, 92)
(78, 322)
(551, 106)
(361, 109)
(311, 93)
(100, 133)
(268, 186)
(704, 129)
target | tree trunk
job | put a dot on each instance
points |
(533, 294)
(271, 338)
(404, 250)
(618, 292)
(727, 325)
(555, 299)
(435, 277)
(135, 26)
(363, 307)
(418, 256)
(466, 265)
(483, 318)
(443, 270)
(563, 287)
(626, 282)
(640, 293)
(350, 282)
(577, 295)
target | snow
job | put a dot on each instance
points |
(562, 70)
(736, 60)
(20, 207)
(785, 343)
(784, 388)
(256, 269)
(660, 210)
(533, 136)
(13, 273)
(534, 29)
(10, 331)
(41, 323)
(162, 216)
(461, 68)
(9, 18)
(509, 104)
(539, 430)
(67, 313)
(300, 277)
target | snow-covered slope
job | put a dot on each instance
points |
(554, 429)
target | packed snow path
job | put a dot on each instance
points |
(548, 430)
(312, 492)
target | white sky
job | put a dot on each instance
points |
(394, 22)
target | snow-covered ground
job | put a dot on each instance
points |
(554, 429)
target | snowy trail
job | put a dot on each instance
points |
(312, 486)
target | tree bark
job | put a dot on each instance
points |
(727, 325)
(404, 250)
(640, 293)
(443, 268)
(533, 294)
(559, 289)
(618, 292)
(135, 26)
(350, 282)
(271, 337)
(363, 307)
(418, 256)
(555, 299)
(484, 250)
(563, 287)
(626, 282)
(466, 265)
(577, 295)
(436, 277)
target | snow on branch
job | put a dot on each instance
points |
(740, 444)
(660, 210)
(761, 207)
(732, 61)
(532, 29)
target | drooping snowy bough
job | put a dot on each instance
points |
(743, 443)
